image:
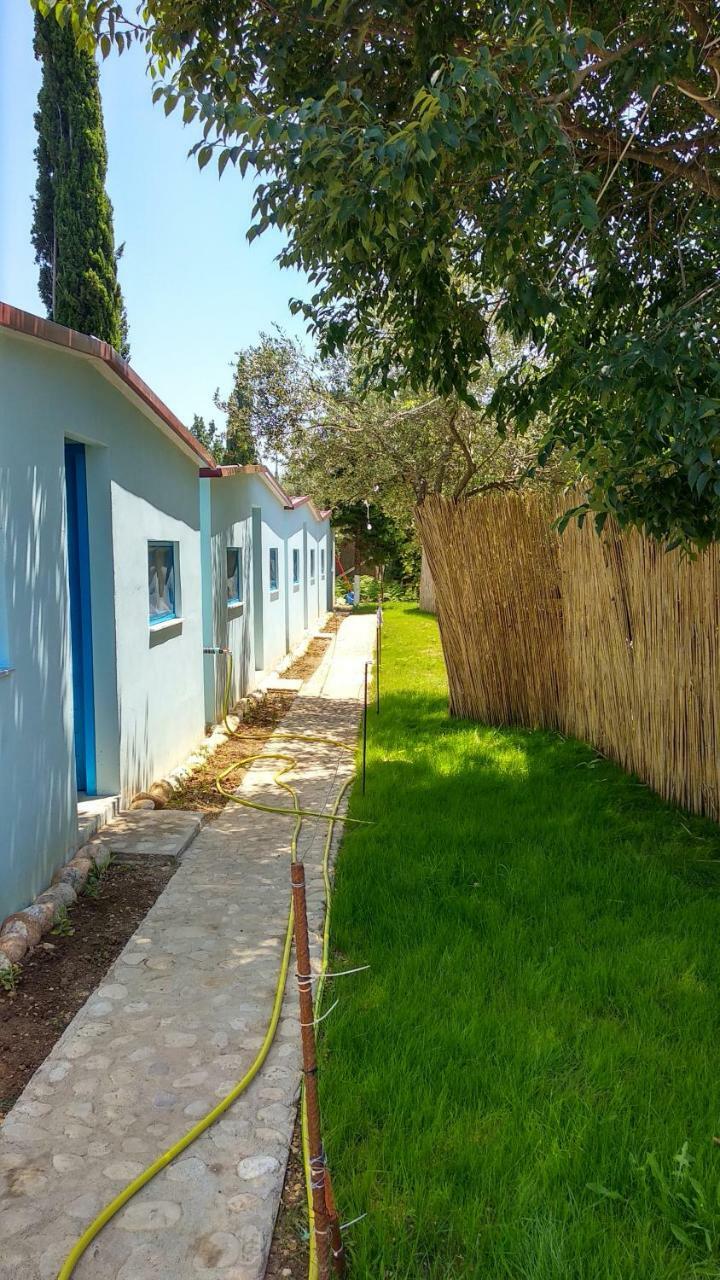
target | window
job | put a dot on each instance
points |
(322, 562)
(296, 568)
(161, 581)
(234, 584)
(273, 568)
(312, 564)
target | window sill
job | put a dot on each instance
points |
(274, 594)
(6, 671)
(162, 631)
(296, 586)
(236, 608)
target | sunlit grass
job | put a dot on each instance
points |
(526, 1083)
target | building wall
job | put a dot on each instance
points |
(226, 521)
(296, 608)
(274, 525)
(153, 690)
(147, 685)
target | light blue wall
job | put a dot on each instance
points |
(296, 594)
(148, 685)
(226, 521)
(153, 689)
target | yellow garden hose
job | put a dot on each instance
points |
(202, 1125)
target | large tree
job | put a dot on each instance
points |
(346, 445)
(440, 165)
(72, 225)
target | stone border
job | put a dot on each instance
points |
(22, 930)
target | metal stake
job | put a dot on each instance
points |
(307, 1028)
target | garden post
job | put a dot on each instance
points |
(307, 1029)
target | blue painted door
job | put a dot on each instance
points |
(78, 555)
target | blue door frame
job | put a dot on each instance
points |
(78, 551)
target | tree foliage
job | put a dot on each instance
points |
(72, 224)
(444, 168)
(353, 448)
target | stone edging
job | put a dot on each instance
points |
(22, 930)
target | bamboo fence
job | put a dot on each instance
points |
(608, 638)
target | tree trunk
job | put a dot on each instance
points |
(427, 586)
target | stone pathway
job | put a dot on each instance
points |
(176, 1021)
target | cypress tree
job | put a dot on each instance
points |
(72, 225)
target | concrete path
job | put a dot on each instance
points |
(176, 1021)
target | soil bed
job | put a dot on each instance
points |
(59, 974)
(304, 666)
(289, 1253)
(199, 792)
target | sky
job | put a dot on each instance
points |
(195, 290)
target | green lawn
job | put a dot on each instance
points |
(527, 1081)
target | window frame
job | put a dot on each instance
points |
(312, 566)
(322, 562)
(233, 600)
(296, 566)
(274, 570)
(157, 620)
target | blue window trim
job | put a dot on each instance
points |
(155, 619)
(296, 567)
(236, 599)
(274, 571)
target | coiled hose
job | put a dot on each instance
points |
(289, 763)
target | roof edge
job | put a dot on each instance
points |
(259, 469)
(32, 326)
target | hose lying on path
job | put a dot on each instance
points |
(289, 762)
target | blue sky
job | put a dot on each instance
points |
(195, 290)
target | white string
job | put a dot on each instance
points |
(325, 1015)
(344, 1225)
(344, 972)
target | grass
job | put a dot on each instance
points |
(526, 1083)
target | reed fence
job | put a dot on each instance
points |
(608, 638)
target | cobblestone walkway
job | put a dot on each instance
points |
(176, 1021)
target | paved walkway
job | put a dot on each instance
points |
(176, 1021)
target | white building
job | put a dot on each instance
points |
(103, 611)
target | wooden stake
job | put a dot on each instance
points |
(307, 1027)
(364, 758)
(336, 1240)
(378, 650)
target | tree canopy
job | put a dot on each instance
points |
(72, 223)
(442, 168)
(369, 455)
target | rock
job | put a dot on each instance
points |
(60, 895)
(13, 948)
(257, 1167)
(15, 928)
(74, 873)
(144, 803)
(77, 870)
(161, 792)
(101, 855)
(42, 912)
